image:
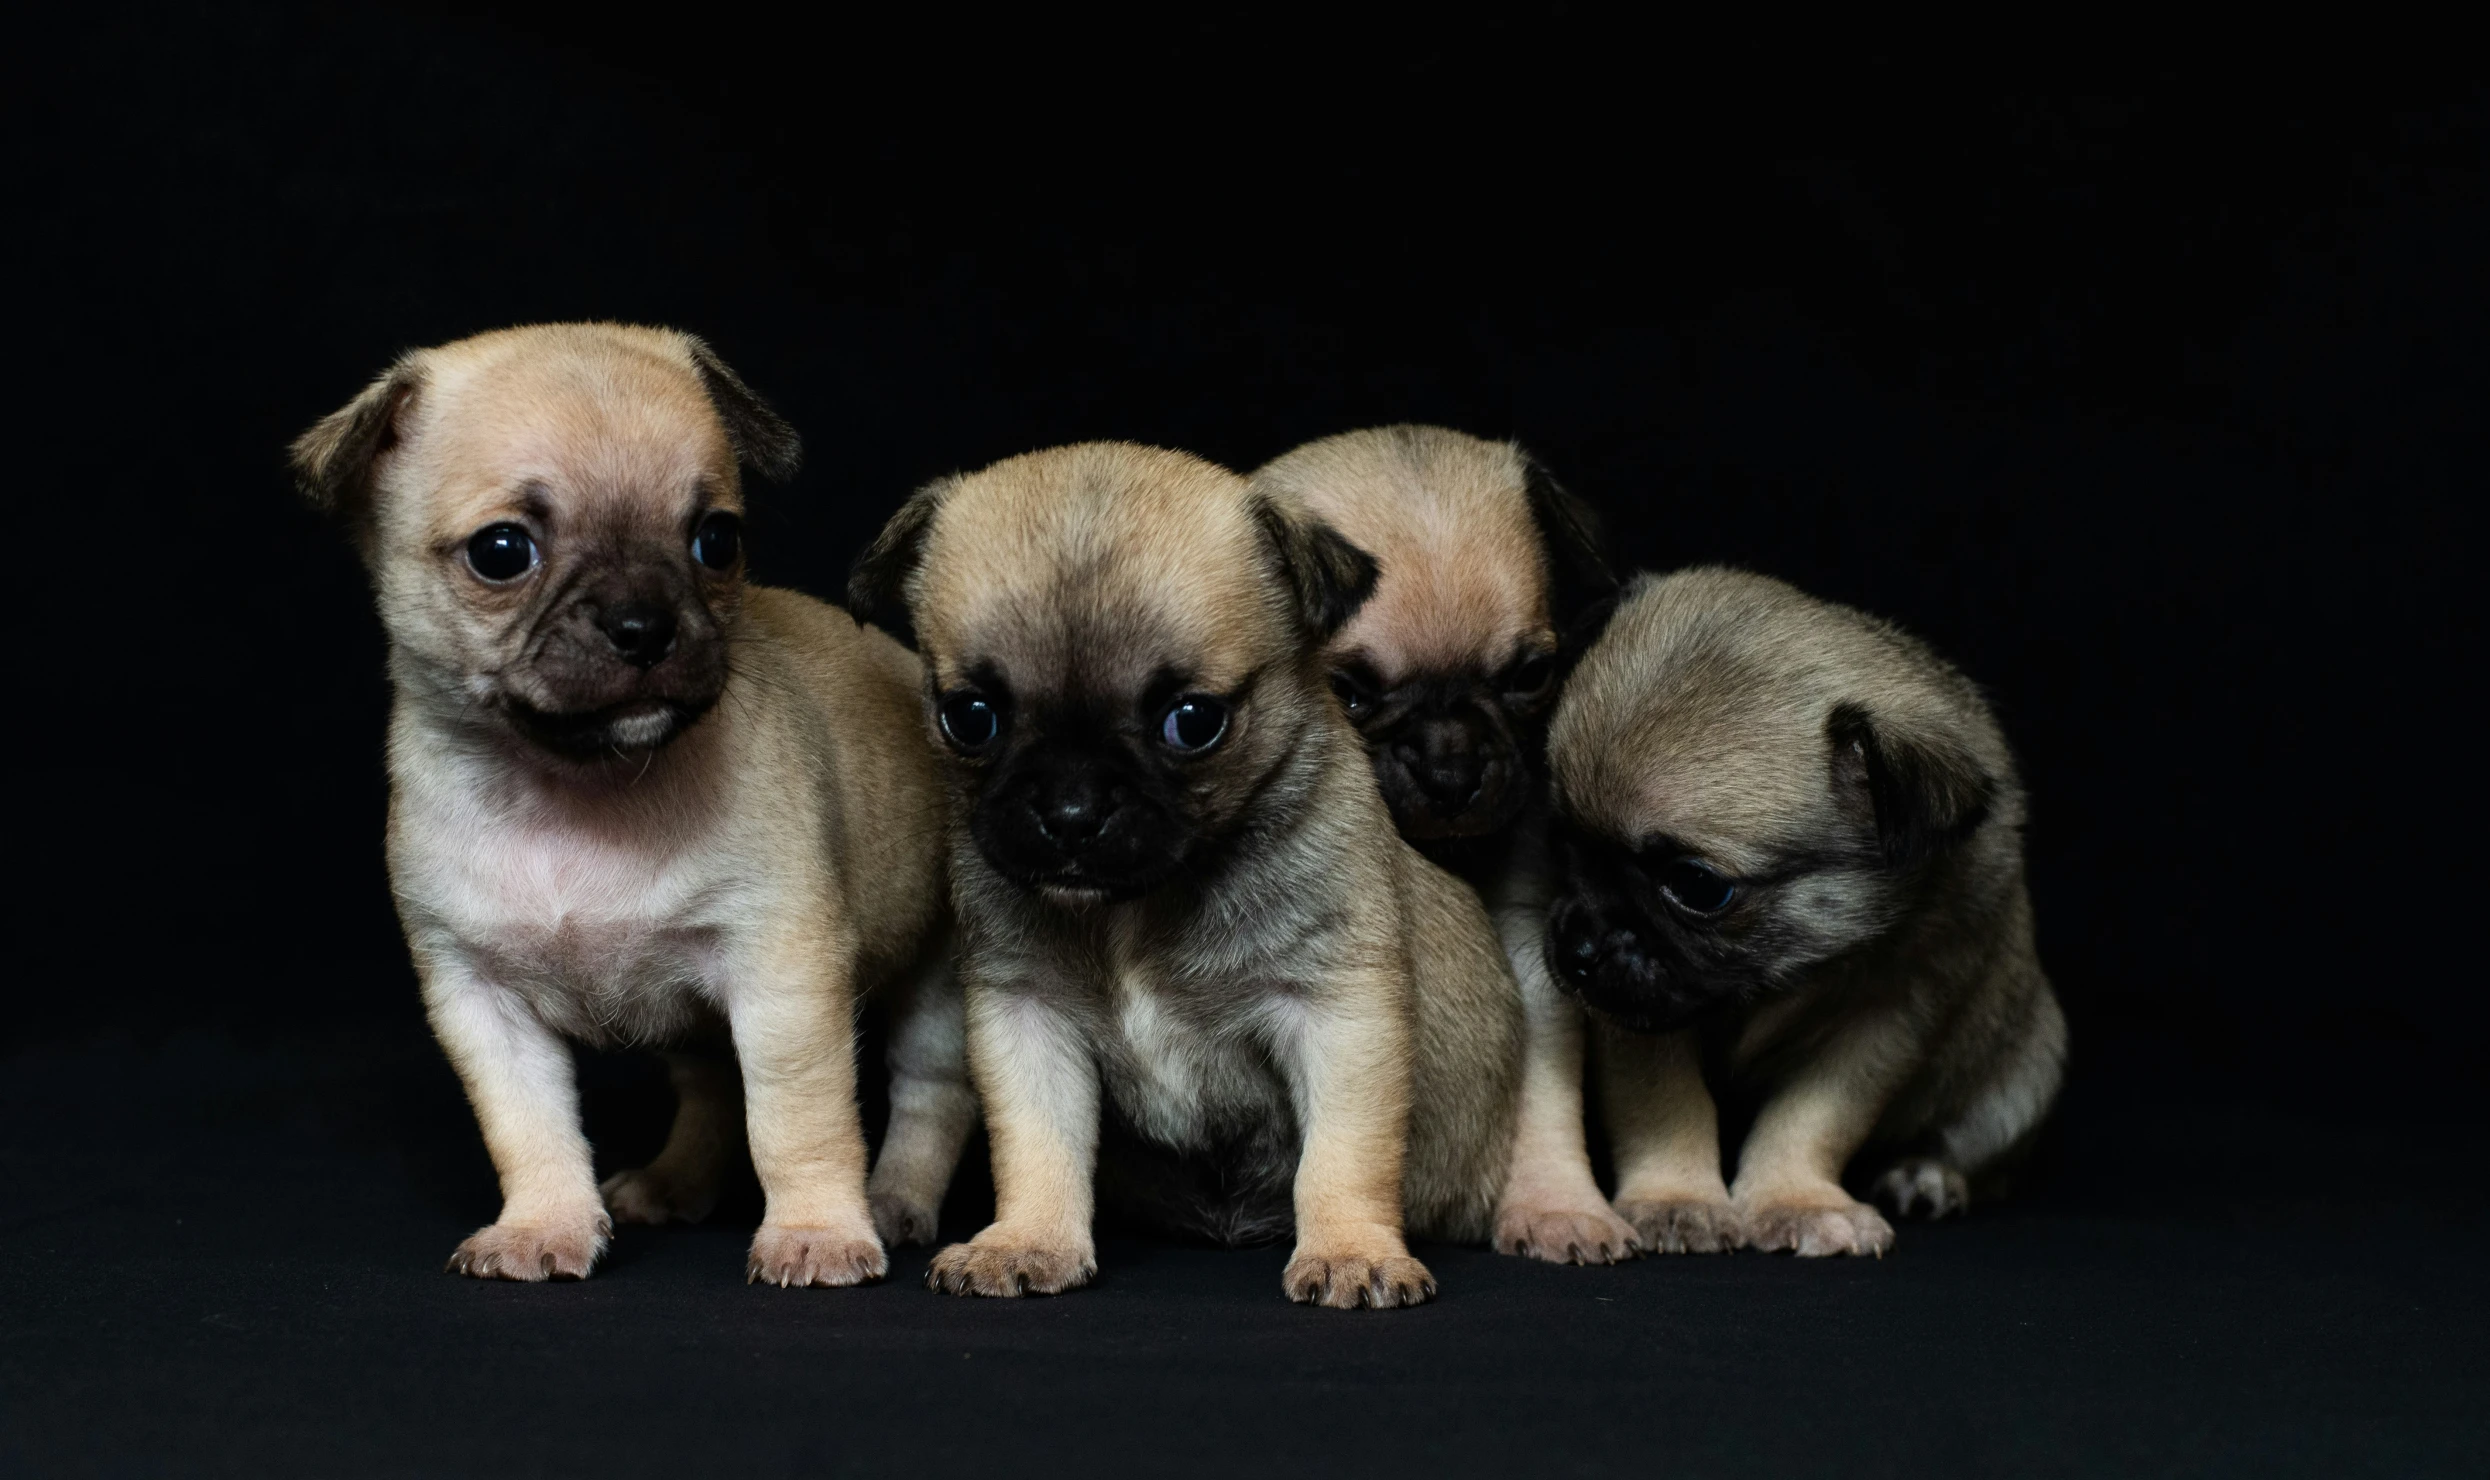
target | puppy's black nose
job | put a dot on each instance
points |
(1072, 813)
(1578, 945)
(641, 631)
(1446, 761)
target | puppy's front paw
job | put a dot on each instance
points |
(1007, 1266)
(901, 1219)
(652, 1195)
(1922, 1187)
(1812, 1230)
(564, 1248)
(1686, 1225)
(788, 1256)
(1565, 1233)
(1346, 1281)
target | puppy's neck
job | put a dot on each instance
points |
(443, 733)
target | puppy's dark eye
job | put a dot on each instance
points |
(501, 552)
(718, 540)
(1530, 677)
(1698, 887)
(970, 720)
(1194, 723)
(1356, 696)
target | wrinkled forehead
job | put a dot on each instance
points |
(1073, 590)
(609, 425)
(1739, 774)
(1461, 606)
(1463, 581)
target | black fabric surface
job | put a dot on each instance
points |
(218, 1260)
(2146, 385)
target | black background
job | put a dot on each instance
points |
(2148, 388)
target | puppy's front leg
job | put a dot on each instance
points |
(1551, 1207)
(519, 1079)
(1666, 1135)
(1034, 1070)
(1349, 1061)
(932, 1106)
(794, 1023)
(1789, 1189)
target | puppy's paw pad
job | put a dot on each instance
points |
(901, 1219)
(650, 1196)
(530, 1252)
(1592, 1234)
(1691, 1226)
(1007, 1270)
(789, 1257)
(1347, 1281)
(1922, 1187)
(1814, 1231)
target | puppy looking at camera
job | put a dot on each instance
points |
(1187, 923)
(1790, 860)
(1449, 671)
(635, 800)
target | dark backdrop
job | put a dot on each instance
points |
(2147, 386)
(2149, 391)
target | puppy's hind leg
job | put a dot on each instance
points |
(932, 1106)
(683, 1183)
(1990, 1132)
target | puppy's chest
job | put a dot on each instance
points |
(1187, 1067)
(609, 939)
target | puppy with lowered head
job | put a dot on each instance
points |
(635, 800)
(1203, 974)
(1449, 671)
(1789, 845)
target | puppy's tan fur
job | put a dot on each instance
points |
(1465, 592)
(1900, 1013)
(1309, 978)
(742, 884)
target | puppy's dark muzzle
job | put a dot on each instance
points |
(1065, 824)
(1606, 963)
(1448, 775)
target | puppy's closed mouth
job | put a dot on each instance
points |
(635, 725)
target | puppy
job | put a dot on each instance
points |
(635, 800)
(1183, 907)
(1790, 862)
(1449, 671)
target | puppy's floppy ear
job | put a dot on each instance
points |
(1927, 794)
(760, 436)
(333, 461)
(878, 583)
(1330, 577)
(1582, 585)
